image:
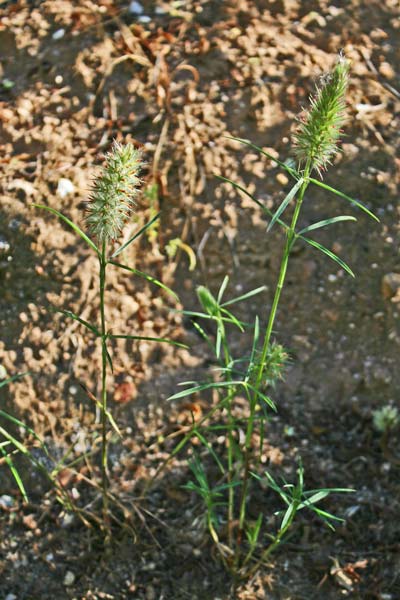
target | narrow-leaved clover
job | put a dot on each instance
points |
(110, 205)
(245, 543)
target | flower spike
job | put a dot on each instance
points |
(319, 130)
(114, 191)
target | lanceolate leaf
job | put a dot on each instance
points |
(145, 276)
(285, 202)
(72, 315)
(244, 296)
(291, 171)
(136, 235)
(266, 210)
(77, 229)
(326, 222)
(351, 200)
(329, 253)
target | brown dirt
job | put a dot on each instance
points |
(73, 76)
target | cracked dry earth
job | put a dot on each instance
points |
(178, 79)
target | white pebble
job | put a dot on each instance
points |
(69, 578)
(65, 187)
(57, 35)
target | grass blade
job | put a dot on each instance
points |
(326, 222)
(342, 195)
(286, 202)
(329, 253)
(77, 229)
(145, 276)
(135, 236)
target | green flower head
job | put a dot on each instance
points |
(114, 191)
(319, 129)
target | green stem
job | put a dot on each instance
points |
(231, 395)
(291, 235)
(104, 449)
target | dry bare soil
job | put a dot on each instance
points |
(74, 75)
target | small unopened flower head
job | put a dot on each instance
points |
(275, 365)
(114, 191)
(319, 129)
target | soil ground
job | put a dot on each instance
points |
(178, 79)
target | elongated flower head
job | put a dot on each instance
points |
(319, 129)
(114, 191)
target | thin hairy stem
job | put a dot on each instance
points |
(104, 449)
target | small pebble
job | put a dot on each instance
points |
(69, 578)
(6, 501)
(144, 19)
(4, 245)
(282, 179)
(65, 187)
(11, 597)
(135, 8)
(390, 285)
(57, 35)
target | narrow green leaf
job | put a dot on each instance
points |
(233, 319)
(331, 491)
(259, 394)
(21, 424)
(14, 441)
(329, 253)
(75, 317)
(13, 378)
(266, 210)
(291, 171)
(222, 288)
(313, 499)
(244, 296)
(148, 278)
(135, 236)
(108, 357)
(342, 195)
(113, 423)
(288, 516)
(286, 202)
(72, 225)
(210, 449)
(202, 387)
(326, 222)
(146, 338)
(15, 474)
